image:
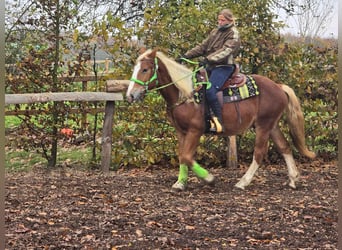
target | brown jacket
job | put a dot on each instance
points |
(220, 47)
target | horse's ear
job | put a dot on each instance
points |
(154, 52)
(142, 50)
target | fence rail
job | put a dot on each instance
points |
(61, 96)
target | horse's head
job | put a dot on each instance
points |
(154, 70)
(144, 76)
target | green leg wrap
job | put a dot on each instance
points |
(183, 173)
(199, 171)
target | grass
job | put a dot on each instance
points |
(21, 160)
(12, 121)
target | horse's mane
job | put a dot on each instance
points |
(180, 75)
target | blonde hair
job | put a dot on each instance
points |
(180, 75)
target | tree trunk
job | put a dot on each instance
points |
(55, 115)
(52, 161)
(107, 134)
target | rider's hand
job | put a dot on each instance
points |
(203, 63)
(180, 59)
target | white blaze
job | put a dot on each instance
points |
(134, 75)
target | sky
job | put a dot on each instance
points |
(332, 28)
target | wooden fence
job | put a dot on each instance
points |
(114, 89)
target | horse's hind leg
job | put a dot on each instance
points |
(284, 149)
(260, 149)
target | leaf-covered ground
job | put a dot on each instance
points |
(136, 209)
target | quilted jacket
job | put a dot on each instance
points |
(220, 47)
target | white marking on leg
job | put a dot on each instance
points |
(179, 186)
(247, 178)
(292, 169)
(210, 179)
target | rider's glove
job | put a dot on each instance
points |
(180, 58)
(203, 63)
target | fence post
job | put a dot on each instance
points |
(84, 114)
(106, 151)
(107, 65)
(231, 152)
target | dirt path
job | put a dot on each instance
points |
(135, 209)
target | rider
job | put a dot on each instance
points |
(219, 48)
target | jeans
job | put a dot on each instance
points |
(218, 77)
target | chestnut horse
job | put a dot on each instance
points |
(155, 71)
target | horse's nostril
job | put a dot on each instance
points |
(129, 98)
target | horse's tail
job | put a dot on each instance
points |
(295, 120)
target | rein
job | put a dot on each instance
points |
(155, 78)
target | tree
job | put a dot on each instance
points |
(311, 17)
(44, 29)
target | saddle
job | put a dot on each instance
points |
(237, 79)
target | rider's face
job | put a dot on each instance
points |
(221, 20)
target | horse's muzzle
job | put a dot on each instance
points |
(135, 96)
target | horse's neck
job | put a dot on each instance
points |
(170, 95)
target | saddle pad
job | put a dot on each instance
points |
(234, 94)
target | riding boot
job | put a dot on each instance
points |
(217, 110)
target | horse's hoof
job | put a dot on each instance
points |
(292, 185)
(178, 186)
(240, 186)
(210, 179)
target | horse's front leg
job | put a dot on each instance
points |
(182, 180)
(186, 151)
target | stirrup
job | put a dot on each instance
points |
(218, 127)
